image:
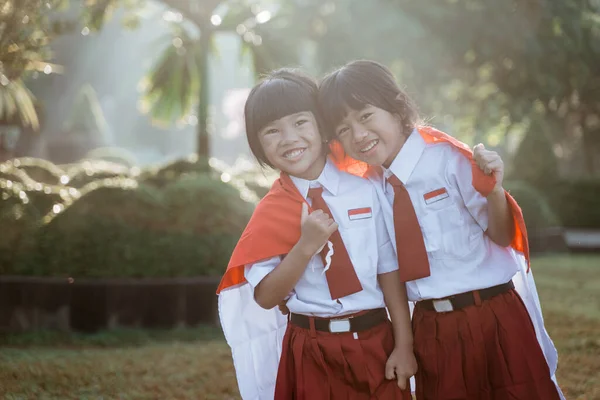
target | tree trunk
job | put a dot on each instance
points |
(203, 139)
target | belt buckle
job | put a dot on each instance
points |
(339, 325)
(442, 306)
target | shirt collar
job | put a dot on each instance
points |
(329, 180)
(407, 159)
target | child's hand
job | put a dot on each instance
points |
(283, 308)
(401, 365)
(316, 229)
(490, 163)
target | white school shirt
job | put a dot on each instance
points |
(355, 207)
(453, 219)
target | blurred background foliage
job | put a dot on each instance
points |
(483, 69)
(106, 220)
(522, 77)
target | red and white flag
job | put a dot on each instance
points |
(360, 213)
(435, 195)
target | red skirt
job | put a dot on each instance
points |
(484, 352)
(318, 365)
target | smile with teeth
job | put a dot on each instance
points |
(293, 153)
(369, 145)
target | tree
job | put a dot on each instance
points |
(25, 32)
(523, 58)
(27, 28)
(399, 40)
(179, 80)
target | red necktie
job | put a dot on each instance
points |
(412, 256)
(341, 276)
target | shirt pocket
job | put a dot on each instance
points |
(360, 240)
(446, 234)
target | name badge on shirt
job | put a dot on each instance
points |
(435, 195)
(359, 213)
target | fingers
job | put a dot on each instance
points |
(390, 372)
(322, 217)
(402, 382)
(317, 213)
(304, 214)
(283, 308)
(479, 151)
(333, 227)
(493, 165)
(320, 221)
(488, 161)
(487, 157)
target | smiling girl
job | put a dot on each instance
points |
(318, 240)
(460, 240)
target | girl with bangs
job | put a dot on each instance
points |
(460, 240)
(317, 240)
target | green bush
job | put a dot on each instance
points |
(10, 172)
(93, 236)
(189, 228)
(535, 161)
(18, 221)
(40, 194)
(576, 202)
(201, 204)
(162, 175)
(40, 170)
(116, 155)
(94, 170)
(537, 211)
(44, 201)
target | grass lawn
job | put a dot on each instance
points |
(196, 363)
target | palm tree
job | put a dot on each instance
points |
(27, 28)
(25, 32)
(179, 80)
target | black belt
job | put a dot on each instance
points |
(463, 300)
(338, 325)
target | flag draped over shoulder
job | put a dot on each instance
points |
(272, 231)
(254, 334)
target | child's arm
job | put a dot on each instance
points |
(500, 220)
(401, 364)
(316, 229)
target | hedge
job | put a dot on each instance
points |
(575, 202)
(537, 212)
(120, 226)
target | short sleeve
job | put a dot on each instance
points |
(254, 273)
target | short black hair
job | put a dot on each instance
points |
(281, 93)
(359, 83)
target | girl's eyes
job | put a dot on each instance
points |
(341, 131)
(270, 131)
(301, 122)
(365, 116)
